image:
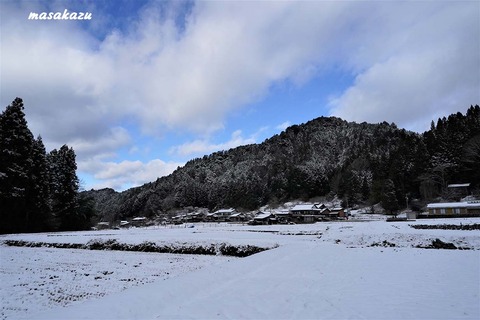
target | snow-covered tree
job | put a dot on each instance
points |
(16, 145)
(64, 185)
(389, 198)
(38, 196)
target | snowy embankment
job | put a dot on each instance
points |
(326, 270)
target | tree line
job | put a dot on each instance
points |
(39, 191)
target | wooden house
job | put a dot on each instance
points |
(264, 218)
(139, 221)
(305, 209)
(238, 217)
(283, 216)
(309, 213)
(454, 208)
(221, 215)
(102, 225)
(336, 213)
(195, 216)
(124, 224)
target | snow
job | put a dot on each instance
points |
(326, 270)
(304, 207)
(473, 204)
(263, 215)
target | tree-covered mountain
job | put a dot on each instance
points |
(360, 163)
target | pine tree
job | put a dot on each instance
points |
(389, 198)
(38, 198)
(16, 145)
(64, 185)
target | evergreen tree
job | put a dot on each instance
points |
(389, 198)
(16, 145)
(85, 212)
(38, 198)
(64, 185)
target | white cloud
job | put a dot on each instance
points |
(283, 125)
(202, 147)
(118, 137)
(427, 73)
(126, 174)
(411, 61)
(227, 56)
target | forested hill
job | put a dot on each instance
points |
(361, 163)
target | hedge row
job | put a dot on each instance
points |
(114, 245)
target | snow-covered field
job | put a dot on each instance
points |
(334, 270)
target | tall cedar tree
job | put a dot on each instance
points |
(39, 209)
(64, 185)
(16, 163)
(389, 199)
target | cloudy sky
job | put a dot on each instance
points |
(145, 86)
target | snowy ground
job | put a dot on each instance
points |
(336, 270)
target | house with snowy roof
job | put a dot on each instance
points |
(305, 209)
(139, 221)
(102, 225)
(265, 218)
(306, 213)
(283, 216)
(336, 212)
(238, 217)
(468, 208)
(221, 215)
(195, 216)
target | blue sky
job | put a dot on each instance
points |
(145, 86)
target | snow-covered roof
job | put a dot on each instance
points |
(282, 213)
(471, 204)
(236, 215)
(223, 211)
(139, 219)
(262, 215)
(303, 207)
(459, 185)
(336, 209)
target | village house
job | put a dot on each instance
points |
(336, 213)
(469, 208)
(179, 218)
(221, 215)
(139, 221)
(195, 216)
(102, 225)
(283, 216)
(305, 209)
(124, 224)
(309, 213)
(305, 213)
(263, 218)
(238, 217)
